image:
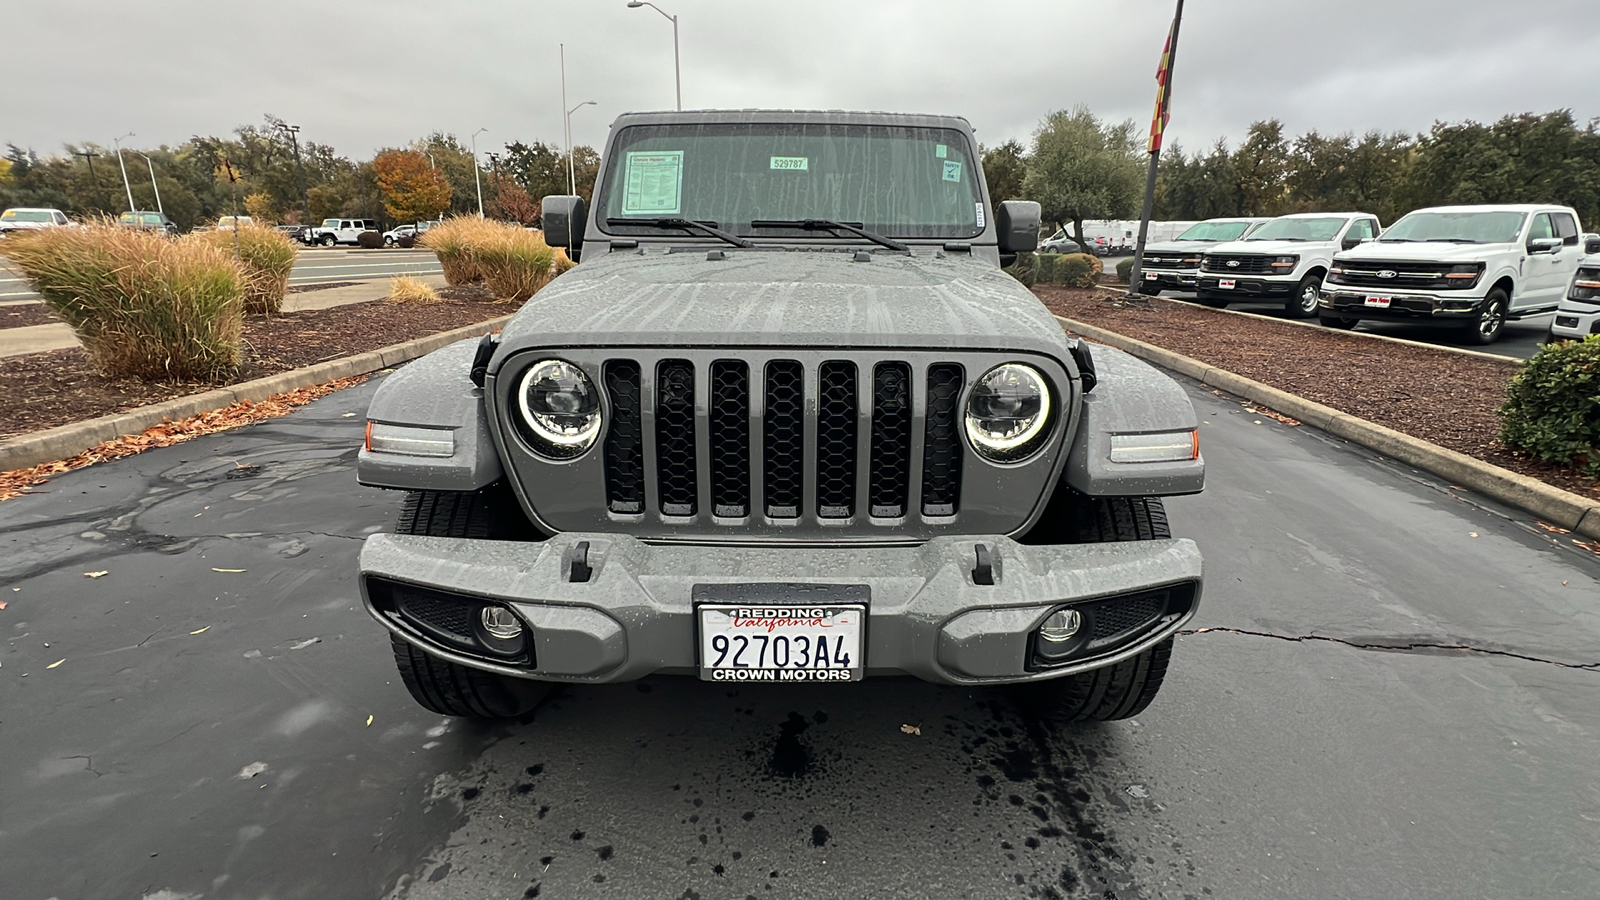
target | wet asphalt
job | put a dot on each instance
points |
(212, 733)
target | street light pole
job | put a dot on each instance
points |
(677, 66)
(300, 170)
(88, 157)
(476, 178)
(125, 185)
(159, 208)
(572, 178)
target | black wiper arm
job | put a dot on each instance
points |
(683, 224)
(830, 225)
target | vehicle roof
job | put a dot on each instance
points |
(1495, 207)
(31, 209)
(842, 116)
(1324, 215)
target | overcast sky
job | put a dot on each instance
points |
(367, 74)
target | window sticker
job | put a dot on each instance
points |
(792, 163)
(980, 213)
(941, 151)
(952, 170)
(653, 183)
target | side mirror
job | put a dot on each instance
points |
(1351, 243)
(1592, 245)
(563, 217)
(1544, 245)
(1016, 222)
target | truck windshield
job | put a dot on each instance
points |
(894, 181)
(26, 215)
(1215, 231)
(1492, 227)
(1287, 229)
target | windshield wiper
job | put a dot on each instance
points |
(1384, 240)
(830, 225)
(685, 225)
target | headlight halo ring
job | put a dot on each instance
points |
(563, 420)
(1025, 419)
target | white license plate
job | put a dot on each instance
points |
(1151, 276)
(775, 642)
(1379, 302)
(1225, 283)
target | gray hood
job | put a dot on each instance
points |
(785, 299)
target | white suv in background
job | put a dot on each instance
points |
(1175, 265)
(1283, 260)
(26, 218)
(1578, 316)
(337, 231)
(1473, 266)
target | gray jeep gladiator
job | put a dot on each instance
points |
(787, 420)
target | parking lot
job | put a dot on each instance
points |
(218, 676)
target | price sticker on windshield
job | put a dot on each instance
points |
(792, 163)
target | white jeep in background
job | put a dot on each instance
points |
(1283, 260)
(1472, 266)
(337, 231)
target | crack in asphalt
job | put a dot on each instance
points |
(88, 763)
(1394, 648)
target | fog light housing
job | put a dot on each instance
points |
(1059, 636)
(500, 623)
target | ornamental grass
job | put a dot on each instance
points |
(513, 262)
(266, 256)
(455, 241)
(405, 289)
(143, 305)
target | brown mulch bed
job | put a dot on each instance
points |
(1439, 396)
(302, 288)
(58, 387)
(24, 314)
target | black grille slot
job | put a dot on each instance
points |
(450, 616)
(1247, 265)
(836, 440)
(889, 472)
(675, 457)
(941, 452)
(1119, 616)
(784, 431)
(624, 445)
(730, 438)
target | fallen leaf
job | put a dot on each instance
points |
(96, 574)
(1552, 528)
(56, 663)
(347, 415)
(201, 630)
(911, 729)
(1472, 534)
(369, 721)
(215, 569)
(2, 604)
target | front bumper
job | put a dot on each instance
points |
(1575, 321)
(1246, 286)
(1403, 305)
(1171, 279)
(927, 617)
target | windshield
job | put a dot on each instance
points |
(1215, 231)
(1498, 227)
(25, 215)
(893, 180)
(1308, 229)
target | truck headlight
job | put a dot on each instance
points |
(560, 408)
(1285, 262)
(1008, 413)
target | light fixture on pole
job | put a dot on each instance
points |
(300, 171)
(476, 179)
(159, 208)
(117, 142)
(572, 178)
(677, 68)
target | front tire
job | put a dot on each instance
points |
(1307, 294)
(1339, 323)
(1213, 301)
(1487, 326)
(444, 687)
(328, 240)
(1124, 689)
(1150, 290)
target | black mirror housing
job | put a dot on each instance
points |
(1591, 246)
(1016, 223)
(563, 218)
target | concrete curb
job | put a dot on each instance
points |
(1563, 508)
(67, 441)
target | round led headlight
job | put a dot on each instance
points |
(560, 408)
(1008, 413)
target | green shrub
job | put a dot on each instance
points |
(1044, 267)
(1079, 270)
(1125, 269)
(369, 240)
(267, 257)
(142, 305)
(1025, 269)
(1552, 408)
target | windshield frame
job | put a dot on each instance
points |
(1393, 235)
(947, 133)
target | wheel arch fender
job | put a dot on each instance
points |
(1131, 397)
(435, 392)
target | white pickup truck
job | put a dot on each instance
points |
(1578, 316)
(1473, 266)
(1283, 260)
(1174, 265)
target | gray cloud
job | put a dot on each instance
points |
(364, 74)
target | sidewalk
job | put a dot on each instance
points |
(58, 336)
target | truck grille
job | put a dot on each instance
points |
(1412, 275)
(767, 453)
(1223, 263)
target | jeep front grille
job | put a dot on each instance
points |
(773, 470)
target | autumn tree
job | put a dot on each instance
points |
(512, 202)
(1082, 168)
(412, 189)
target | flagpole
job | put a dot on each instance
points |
(1158, 127)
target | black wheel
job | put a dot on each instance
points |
(1213, 301)
(1338, 322)
(1302, 304)
(328, 240)
(1150, 290)
(440, 685)
(388, 242)
(1491, 319)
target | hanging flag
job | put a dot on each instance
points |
(1163, 113)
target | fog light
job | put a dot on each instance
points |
(500, 623)
(1061, 627)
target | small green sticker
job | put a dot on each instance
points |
(941, 151)
(792, 163)
(952, 170)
